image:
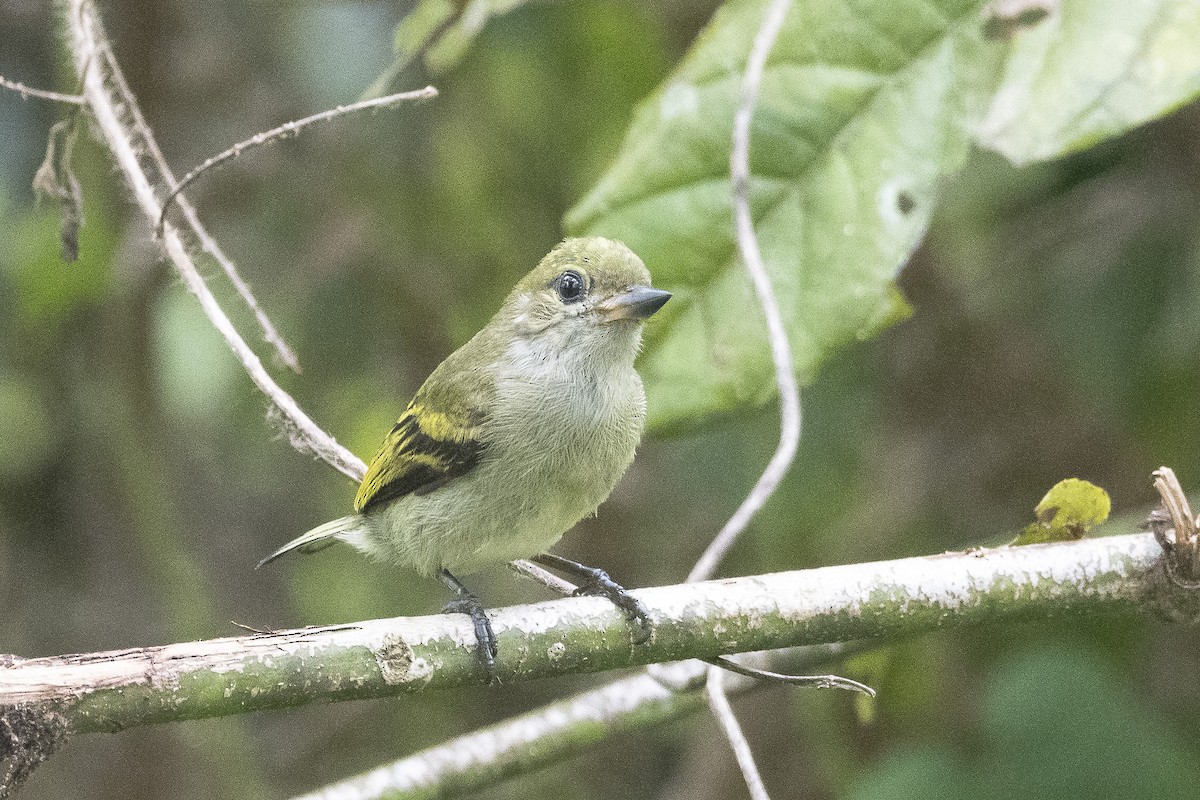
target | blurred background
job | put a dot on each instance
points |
(1053, 336)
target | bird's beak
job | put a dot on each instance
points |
(636, 303)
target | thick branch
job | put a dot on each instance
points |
(111, 691)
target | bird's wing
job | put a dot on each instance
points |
(426, 448)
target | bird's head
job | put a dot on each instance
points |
(589, 293)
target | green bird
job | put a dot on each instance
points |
(516, 436)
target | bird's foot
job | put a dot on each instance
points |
(485, 639)
(595, 582)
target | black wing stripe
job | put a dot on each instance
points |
(454, 460)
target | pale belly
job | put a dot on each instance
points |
(527, 491)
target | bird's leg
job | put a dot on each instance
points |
(596, 582)
(467, 603)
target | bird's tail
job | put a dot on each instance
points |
(320, 537)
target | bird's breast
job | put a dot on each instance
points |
(573, 427)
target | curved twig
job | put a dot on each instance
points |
(282, 132)
(45, 94)
(138, 157)
(718, 704)
(781, 351)
(816, 681)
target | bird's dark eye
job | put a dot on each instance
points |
(570, 286)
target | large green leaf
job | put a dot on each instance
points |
(864, 108)
(1094, 70)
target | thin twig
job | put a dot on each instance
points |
(28, 91)
(785, 381)
(543, 576)
(285, 353)
(781, 351)
(132, 142)
(141, 129)
(56, 179)
(285, 130)
(718, 703)
(817, 681)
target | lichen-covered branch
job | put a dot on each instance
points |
(115, 690)
(544, 736)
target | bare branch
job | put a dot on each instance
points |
(138, 157)
(109, 691)
(718, 703)
(484, 757)
(157, 166)
(781, 351)
(1061, 578)
(159, 174)
(548, 735)
(27, 91)
(568, 589)
(285, 130)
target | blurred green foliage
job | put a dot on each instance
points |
(1086, 737)
(1051, 336)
